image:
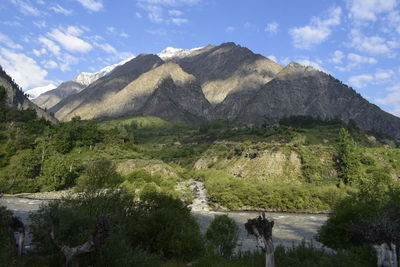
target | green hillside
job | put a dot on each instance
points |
(291, 166)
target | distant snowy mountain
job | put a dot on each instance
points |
(171, 52)
(87, 78)
(37, 91)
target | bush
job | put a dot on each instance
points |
(167, 228)
(141, 233)
(222, 235)
(234, 193)
(142, 182)
(377, 198)
(98, 174)
(58, 172)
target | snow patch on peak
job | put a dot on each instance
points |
(87, 78)
(171, 52)
(37, 91)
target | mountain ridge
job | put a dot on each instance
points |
(236, 84)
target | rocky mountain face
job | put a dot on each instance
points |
(16, 98)
(221, 82)
(51, 98)
(300, 90)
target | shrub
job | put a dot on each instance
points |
(141, 233)
(222, 235)
(167, 228)
(58, 172)
(99, 174)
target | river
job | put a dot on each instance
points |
(289, 228)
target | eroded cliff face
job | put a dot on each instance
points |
(16, 98)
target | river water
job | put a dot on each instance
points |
(289, 228)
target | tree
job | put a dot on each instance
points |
(222, 235)
(348, 158)
(99, 174)
(368, 218)
(58, 172)
(261, 228)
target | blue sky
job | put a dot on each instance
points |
(358, 41)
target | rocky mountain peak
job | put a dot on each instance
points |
(86, 78)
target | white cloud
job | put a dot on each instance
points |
(317, 32)
(170, 2)
(69, 40)
(179, 21)
(40, 24)
(230, 29)
(12, 23)
(159, 32)
(368, 10)
(113, 31)
(155, 13)
(107, 48)
(272, 27)
(92, 5)
(337, 57)
(138, 15)
(175, 12)
(26, 7)
(60, 10)
(360, 81)
(311, 63)
(23, 69)
(370, 44)
(49, 64)
(159, 11)
(392, 99)
(40, 52)
(50, 45)
(4, 39)
(65, 62)
(355, 60)
(380, 77)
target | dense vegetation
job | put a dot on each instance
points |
(303, 164)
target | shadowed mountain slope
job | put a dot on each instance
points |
(299, 90)
(100, 90)
(53, 97)
(165, 91)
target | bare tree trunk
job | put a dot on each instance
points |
(21, 241)
(261, 228)
(95, 240)
(269, 254)
(17, 226)
(386, 254)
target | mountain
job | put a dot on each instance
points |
(37, 91)
(101, 89)
(229, 74)
(300, 90)
(50, 98)
(227, 82)
(16, 98)
(171, 52)
(86, 78)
